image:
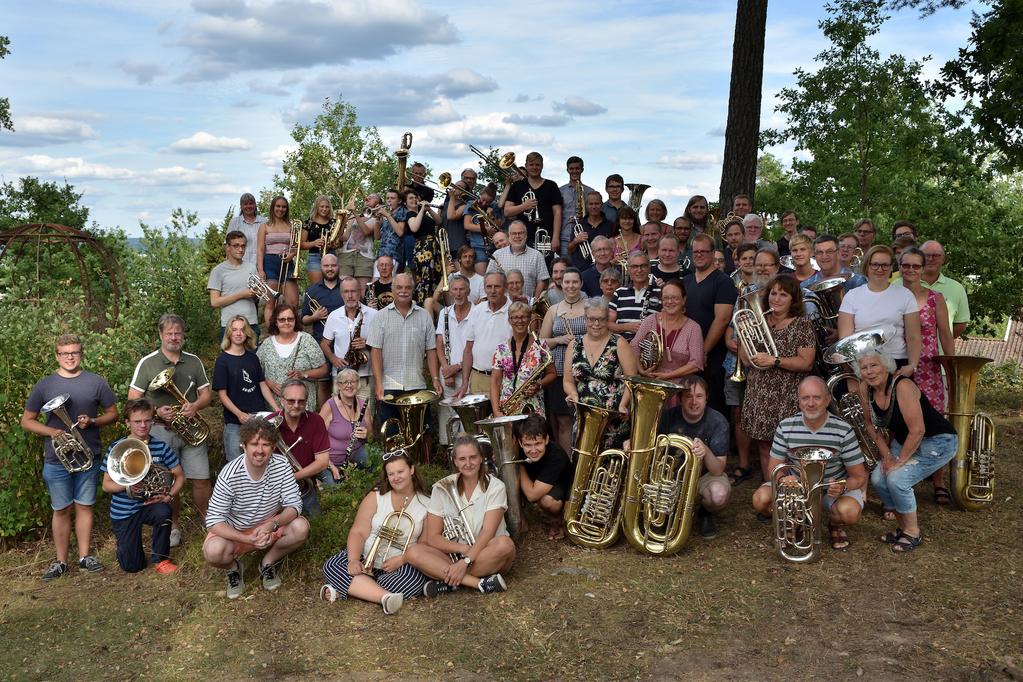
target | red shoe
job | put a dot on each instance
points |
(166, 566)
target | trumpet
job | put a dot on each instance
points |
(70, 447)
(193, 430)
(314, 305)
(584, 247)
(390, 532)
(505, 165)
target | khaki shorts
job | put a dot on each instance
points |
(195, 460)
(707, 479)
(355, 264)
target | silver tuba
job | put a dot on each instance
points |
(469, 410)
(70, 447)
(500, 437)
(797, 512)
(636, 190)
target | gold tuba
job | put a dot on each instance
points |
(69, 447)
(410, 423)
(797, 513)
(972, 479)
(130, 464)
(514, 403)
(193, 430)
(501, 439)
(593, 513)
(660, 489)
(751, 328)
(390, 532)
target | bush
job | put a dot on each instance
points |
(1000, 388)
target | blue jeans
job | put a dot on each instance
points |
(312, 263)
(405, 255)
(896, 488)
(131, 556)
(66, 487)
(232, 442)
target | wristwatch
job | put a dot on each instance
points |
(777, 361)
(467, 560)
(274, 527)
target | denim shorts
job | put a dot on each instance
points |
(232, 442)
(312, 263)
(272, 266)
(475, 240)
(66, 487)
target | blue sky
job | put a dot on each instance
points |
(150, 106)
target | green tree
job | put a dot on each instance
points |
(335, 156)
(32, 201)
(5, 104)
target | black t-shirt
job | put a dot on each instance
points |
(554, 468)
(240, 376)
(547, 197)
(716, 288)
(455, 228)
(602, 230)
(712, 429)
(381, 292)
(426, 228)
(315, 230)
(656, 271)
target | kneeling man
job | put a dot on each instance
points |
(255, 505)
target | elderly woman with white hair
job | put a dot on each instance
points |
(347, 421)
(922, 441)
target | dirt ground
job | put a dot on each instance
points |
(724, 609)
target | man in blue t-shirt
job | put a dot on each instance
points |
(129, 510)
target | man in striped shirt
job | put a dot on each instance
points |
(255, 505)
(814, 426)
(128, 513)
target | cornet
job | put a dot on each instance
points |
(533, 214)
(584, 247)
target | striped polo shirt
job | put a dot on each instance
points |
(793, 433)
(242, 502)
(122, 506)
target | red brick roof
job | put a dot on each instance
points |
(996, 349)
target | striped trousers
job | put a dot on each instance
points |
(407, 579)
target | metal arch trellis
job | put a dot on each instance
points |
(22, 239)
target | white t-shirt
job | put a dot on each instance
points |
(456, 333)
(886, 309)
(476, 292)
(473, 509)
(486, 329)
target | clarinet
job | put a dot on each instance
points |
(358, 420)
(447, 335)
(646, 298)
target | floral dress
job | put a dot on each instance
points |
(601, 384)
(275, 368)
(528, 364)
(771, 393)
(426, 261)
(928, 372)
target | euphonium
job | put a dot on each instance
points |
(514, 403)
(972, 479)
(851, 411)
(584, 247)
(660, 489)
(409, 423)
(456, 528)
(390, 532)
(69, 447)
(751, 328)
(501, 439)
(593, 513)
(130, 464)
(797, 513)
(402, 155)
(193, 430)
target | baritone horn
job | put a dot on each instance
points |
(69, 447)
(193, 430)
(408, 427)
(972, 479)
(751, 328)
(797, 515)
(593, 513)
(390, 532)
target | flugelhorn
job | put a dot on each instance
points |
(584, 247)
(593, 513)
(69, 447)
(390, 531)
(193, 430)
(261, 289)
(972, 479)
(797, 513)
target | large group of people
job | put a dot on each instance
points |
(554, 297)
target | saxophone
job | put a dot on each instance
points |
(356, 358)
(515, 403)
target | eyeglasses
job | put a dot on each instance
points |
(825, 252)
(701, 252)
(348, 383)
(294, 401)
(911, 266)
(69, 354)
(285, 319)
(596, 320)
(880, 266)
(393, 454)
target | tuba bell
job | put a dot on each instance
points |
(636, 190)
(130, 464)
(501, 438)
(193, 430)
(797, 512)
(972, 479)
(660, 489)
(69, 447)
(469, 410)
(593, 513)
(410, 423)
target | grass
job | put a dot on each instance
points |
(721, 609)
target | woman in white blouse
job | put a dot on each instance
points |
(878, 304)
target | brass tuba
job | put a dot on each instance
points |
(797, 512)
(593, 513)
(501, 439)
(660, 489)
(972, 479)
(410, 423)
(193, 430)
(130, 464)
(515, 403)
(69, 447)
(402, 155)
(751, 328)
(390, 532)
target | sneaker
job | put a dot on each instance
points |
(56, 569)
(89, 564)
(492, 583)
(235, 583)
(392, 602)
(708, 529)
(175, 537)
(271, 581)
(328, 594)
(166, 566)
(433, 588)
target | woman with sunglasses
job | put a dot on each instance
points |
(290, 353)
(347, 421)
(399, 500)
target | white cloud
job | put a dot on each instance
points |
(34, 131)
(229, 36)
(275, 156)
(184, 180)
(578, 106)
(144, 72)
(546, 120)
(717, 132)
(522, 97)
(451, 140)
(688, 160)
(205, 143)
(71, 167)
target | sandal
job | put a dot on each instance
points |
(740, 474)
(892, 537)
(906, 543)
(839, 538)
(942, 498)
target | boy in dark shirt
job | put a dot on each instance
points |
(546, 476)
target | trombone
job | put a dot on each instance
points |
(505, 166)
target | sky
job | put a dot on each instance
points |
(150, 106)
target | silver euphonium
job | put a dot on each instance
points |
(69, 447)
(751, 328)
(798, 516)
(130, 464)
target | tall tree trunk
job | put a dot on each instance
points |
(742, 132)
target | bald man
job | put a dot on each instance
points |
(953, 291)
